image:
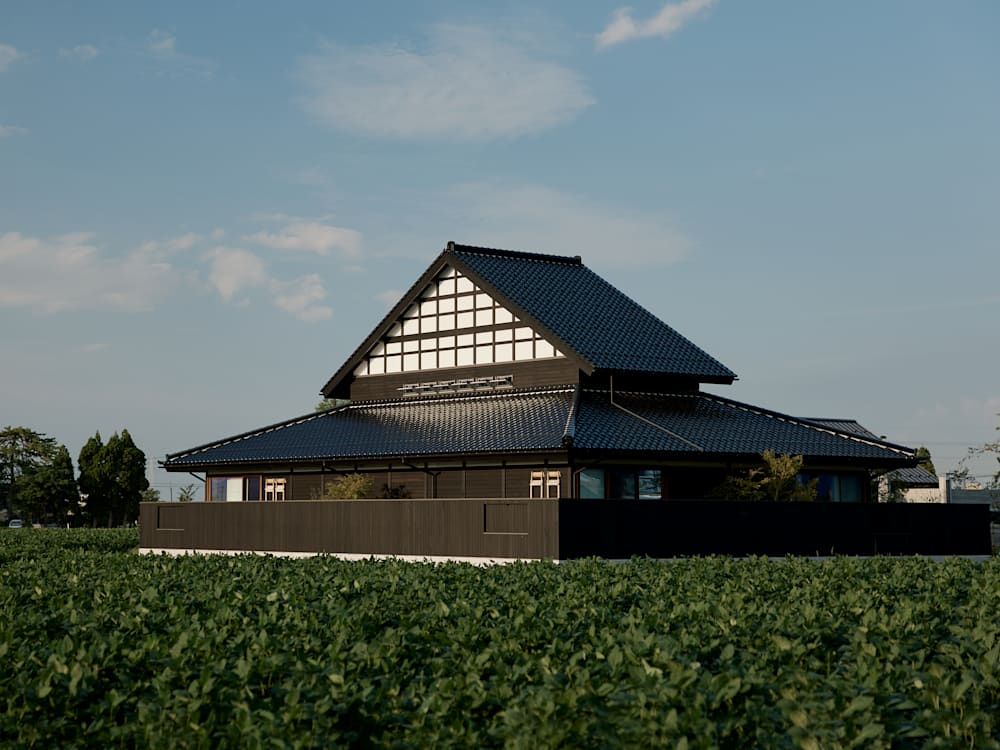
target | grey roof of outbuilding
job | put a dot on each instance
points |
(580, 313)
(914, 476)
(540, 420)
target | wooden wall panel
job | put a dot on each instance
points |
(483, 483)
(526, 375)
(451, 483)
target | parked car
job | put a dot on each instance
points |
(16, 523)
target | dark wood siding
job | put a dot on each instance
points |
(559, 371)
(483, 483)
(305, 487)
(451, 483)
(412, 483)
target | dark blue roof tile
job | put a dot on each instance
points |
(594, 319)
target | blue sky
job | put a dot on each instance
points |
(204, 208)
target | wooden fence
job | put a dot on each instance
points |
(567, 529)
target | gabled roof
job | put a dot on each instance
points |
(580, 313)
(550, 419)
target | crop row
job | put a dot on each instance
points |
(112, 649)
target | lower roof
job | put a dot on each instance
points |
(694, 426)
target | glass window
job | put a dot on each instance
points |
(649, 484)
(253, 488)
(621, 483)
(592, 483)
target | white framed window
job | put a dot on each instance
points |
(545, 484)
(274, 489)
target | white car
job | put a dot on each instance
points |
(17, 523)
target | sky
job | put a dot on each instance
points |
(205, 207)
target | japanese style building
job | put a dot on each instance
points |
(503, 374)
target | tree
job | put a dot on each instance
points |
(113, 476)
(21, 451)
(330, 403)
(347, 487)
(187, 494)
(925, 462)
(49, 492)
(777, 480)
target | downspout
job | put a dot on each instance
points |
(651, 423)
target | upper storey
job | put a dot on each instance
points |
(482, 318)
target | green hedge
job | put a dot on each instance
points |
(123, 650)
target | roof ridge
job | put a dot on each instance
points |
(437, 397)
(501, 253)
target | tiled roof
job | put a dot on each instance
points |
(511, 422)
(595, 320)
(844, 425)
(539, 420)
(914, 476)
(705, 423)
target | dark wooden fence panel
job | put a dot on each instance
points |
(622, 528)
(446, 528)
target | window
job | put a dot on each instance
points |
(592, 483)
(545, 484)
(629, 484)
(225, 489)
(274, 489)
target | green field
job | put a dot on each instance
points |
(101, 647)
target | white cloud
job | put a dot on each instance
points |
(6, 131)
(8, 55)
(537, 218)
(311, 236)
(233, 270)
(671, 18)
(80, 53)
(302, 298)
(467, 83)
(70, 272)
(172, 245)
(162, 45)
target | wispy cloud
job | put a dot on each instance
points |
(80, 53)
(536, 217)
(465, 82)
(671, 19)
(8, 55)
(311, 236)
(70, 272)
(302, 298)
(73, 272)
(162, 45)
(235, 272)
(6, 131)
(94, 348)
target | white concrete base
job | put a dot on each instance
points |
(339, 555)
